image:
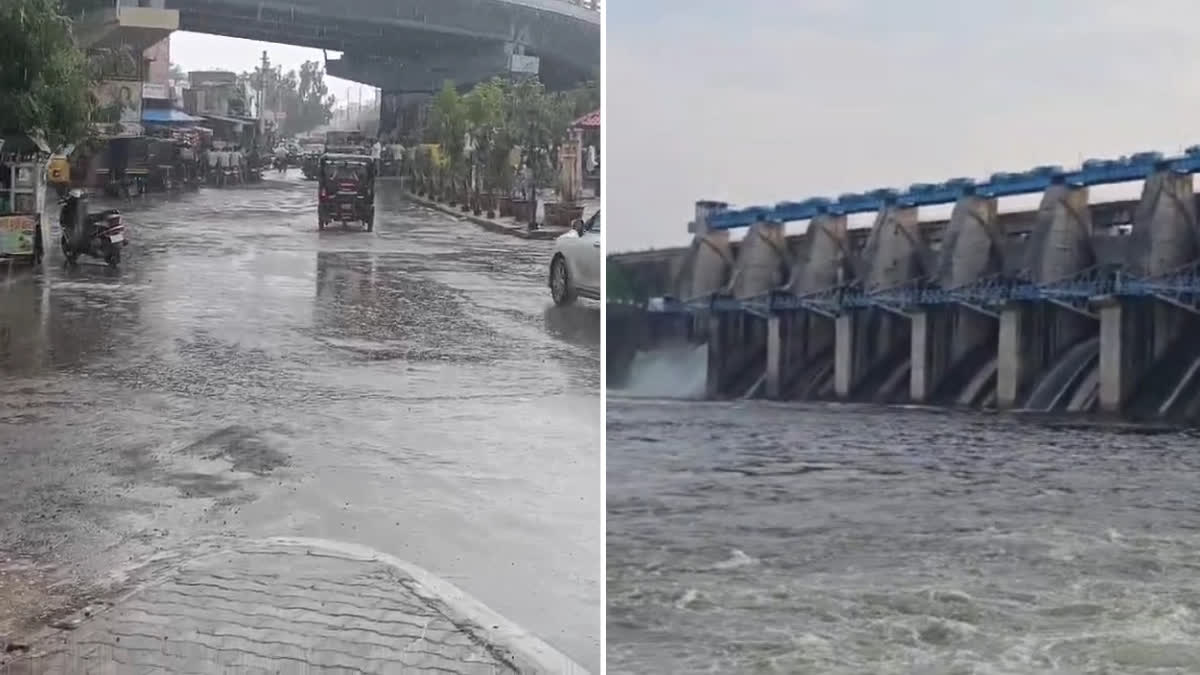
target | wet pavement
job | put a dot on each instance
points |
(410, 390)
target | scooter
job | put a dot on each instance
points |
(100, 235)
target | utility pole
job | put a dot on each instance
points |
(262, 90)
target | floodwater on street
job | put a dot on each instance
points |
(413, 390)
(755, 537)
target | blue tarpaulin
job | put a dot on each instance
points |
(168, 116)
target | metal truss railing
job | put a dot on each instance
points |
(1179, 287)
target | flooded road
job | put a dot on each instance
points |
(770, 538)
(412, 390)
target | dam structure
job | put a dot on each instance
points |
(1073, 306)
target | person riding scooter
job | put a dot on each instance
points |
(100, 235)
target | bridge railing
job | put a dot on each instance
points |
(593, 5)
(1076, 291)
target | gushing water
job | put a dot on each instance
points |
(674, 372)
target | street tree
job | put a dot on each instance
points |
(314, 104)
(485, 117)
(449, 124)
(43, 75)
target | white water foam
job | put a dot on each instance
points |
(678, 371)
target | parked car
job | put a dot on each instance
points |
(575, 264)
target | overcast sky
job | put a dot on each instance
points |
(759, 101)
(197, 51)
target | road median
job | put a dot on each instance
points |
(499, 225)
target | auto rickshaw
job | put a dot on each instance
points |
(346, 190)
(311, 165)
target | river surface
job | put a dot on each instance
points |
(413, 390)
(768, 538)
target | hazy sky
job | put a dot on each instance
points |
(759, 101)
(197, 51)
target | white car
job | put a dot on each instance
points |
(575, 265)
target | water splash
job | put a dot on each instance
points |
(678, 371)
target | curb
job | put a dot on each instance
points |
(485, 223)
(523, 651)
(528, 652)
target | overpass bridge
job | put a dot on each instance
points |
(406, 48)
(1071, 307)
(415, 45)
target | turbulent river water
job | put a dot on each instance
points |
(767, 538)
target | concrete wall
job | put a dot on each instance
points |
(822, 259)
(895, 250)
(1060, 244)
(159, 58)
(762, 261)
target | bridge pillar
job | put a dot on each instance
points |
(798, 354)
(1135, 336)
(942, 337)
(929, 352)
(777, 335)
(403, 114)
(844, 377)
(737, 354)
(1012, 370)
(1120, 364)
(716, 357)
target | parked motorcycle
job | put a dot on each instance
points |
(100, 235)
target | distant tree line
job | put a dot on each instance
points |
(497, 117)
(301, 95)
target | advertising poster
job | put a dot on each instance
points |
(122, 101)
(17, 234)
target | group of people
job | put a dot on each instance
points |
(388, 152)
(224, 167)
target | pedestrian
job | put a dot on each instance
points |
(235, 163)
(212, 162)
(398, 153)
(222, 166)
(592, 163)
(376, 154)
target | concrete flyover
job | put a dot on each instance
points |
(1072, 307)
(415, 45)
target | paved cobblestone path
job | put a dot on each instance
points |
(271, 608)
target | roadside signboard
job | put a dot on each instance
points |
(17, 234)
(155, 90)
(520, 63)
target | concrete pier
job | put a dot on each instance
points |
(868, 341)
(1136, 333)
(1033, 335)
(799, 347)
(948, 341)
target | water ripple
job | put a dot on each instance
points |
(765, 538)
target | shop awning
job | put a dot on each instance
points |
(168, 116)
(588, 121)
(229, 120)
